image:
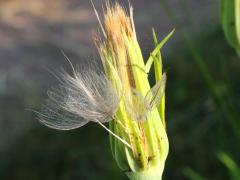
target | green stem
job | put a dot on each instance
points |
(153, 173)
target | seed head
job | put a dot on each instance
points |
(85, 96)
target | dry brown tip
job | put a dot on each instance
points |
(117, 23)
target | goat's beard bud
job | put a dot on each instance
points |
(121, 96)
(140, 119)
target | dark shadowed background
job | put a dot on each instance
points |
(202, 110)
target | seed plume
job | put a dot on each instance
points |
(85, 96)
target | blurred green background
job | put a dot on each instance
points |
(203, 89)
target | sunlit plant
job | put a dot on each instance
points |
(120, 94)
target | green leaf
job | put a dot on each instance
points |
(157, 60)
(191, 174)
(156, 51)
(155, 40)
(232, 167)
